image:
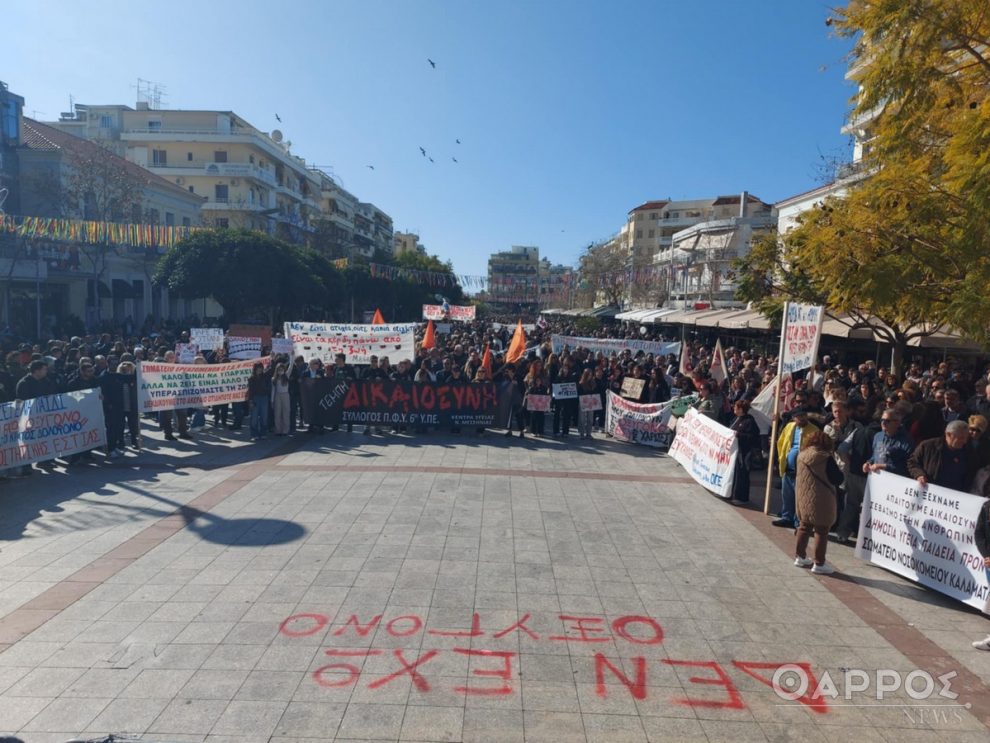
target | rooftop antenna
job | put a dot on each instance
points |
(150, 92)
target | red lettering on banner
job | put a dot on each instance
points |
(319, 622)
(810, 698)
(520, 625)
(473, 396)
(416, 627)
(443, 397)
(421, 683)
(378, 396)
(353, 397)
(475, 630)
(733, 700)
(322, 674)
(459, 391)
(637, 688)
(620, 624)
(427, 398)
(361, 630)
(504, 673)
(399, 398)
(581, 629)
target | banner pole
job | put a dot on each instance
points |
(776, 412)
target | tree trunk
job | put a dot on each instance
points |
(898, 352)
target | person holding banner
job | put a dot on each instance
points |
(818, 476)
(586, 418)
(259, 396)
(536, 384)
(281, 400)
(748, 435)
(981, 537)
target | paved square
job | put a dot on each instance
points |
(444, 588)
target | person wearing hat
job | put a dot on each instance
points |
(788, 447)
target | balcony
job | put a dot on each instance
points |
(195, 168)
(231, 205)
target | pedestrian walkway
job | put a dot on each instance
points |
(444, 588)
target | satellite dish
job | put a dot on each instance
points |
(277, 135)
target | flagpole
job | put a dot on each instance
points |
(776, 411)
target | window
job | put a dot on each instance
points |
(136, 215)
(155, 126)
(9, 126)
(220, 156)
(653, 215)
(223, 223)
(106, 122)
(153, 216)
(169, 219)
(639, 234)
(192, 190)
(653, 233)
(186, 222)
(189, 156)
(159, 157)
(251, 159)
(220, 194)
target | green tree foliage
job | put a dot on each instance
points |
(906, 244)
(253, 275)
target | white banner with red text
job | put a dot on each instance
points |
(44, 428)
(358, 343)
(171, 386)
(610, 346)
(453, 312)
(926, 535)
(707, 450)
(639, 424)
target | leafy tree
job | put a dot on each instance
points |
(603, 272)
(248, 273)
(906, 245)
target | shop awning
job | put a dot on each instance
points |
(123, 289)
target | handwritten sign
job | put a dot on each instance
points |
(171, 386)
(185, 353)
(632, 388)
(538, 403)
(638, 423)
(44, 428)
(208, 339)
(590, 402)
(926, 535)
(707, 450)
(282, 347)
(357, 342)
(802, 331)
(565, 391)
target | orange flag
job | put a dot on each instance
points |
(517, 347)
(429, 339)
(378, 319)
(486, 360)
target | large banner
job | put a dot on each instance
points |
(380, 403)
(802, 331)
(610, 346)
(53, 426)
(316, 340)
(707, 450)
(454, 312)
(926, 535)
(252, 331)
(171, 386)
(639, 424)
(243, 348)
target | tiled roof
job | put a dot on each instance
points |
(41, 137)
(723, 200)
(650, 205)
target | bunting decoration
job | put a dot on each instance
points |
(430, 278)
(340, 264)
(95, 233)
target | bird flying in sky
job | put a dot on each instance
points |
(278, 118)
(423, 151)
(431, 159)
(454, 159)
(432, 63)
(370, 166)
(458, 141)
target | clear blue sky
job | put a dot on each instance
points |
(569, 113)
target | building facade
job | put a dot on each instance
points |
(514, 277)
(249, 179)
(407, 242)
(93, 282)
(11, 109)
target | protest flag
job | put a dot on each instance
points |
(517, 347)
(429, 338)
(377, 319)
(486, 360)
(717, 368)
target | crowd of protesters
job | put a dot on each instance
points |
(838, 422)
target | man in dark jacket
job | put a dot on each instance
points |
(36, 383)
(86, 379)
(946, 461)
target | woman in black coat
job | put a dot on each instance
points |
(748, 436)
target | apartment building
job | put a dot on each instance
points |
(408, 242)
(11, 107)
(514, 276)
(93, 281)
(248, 178)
